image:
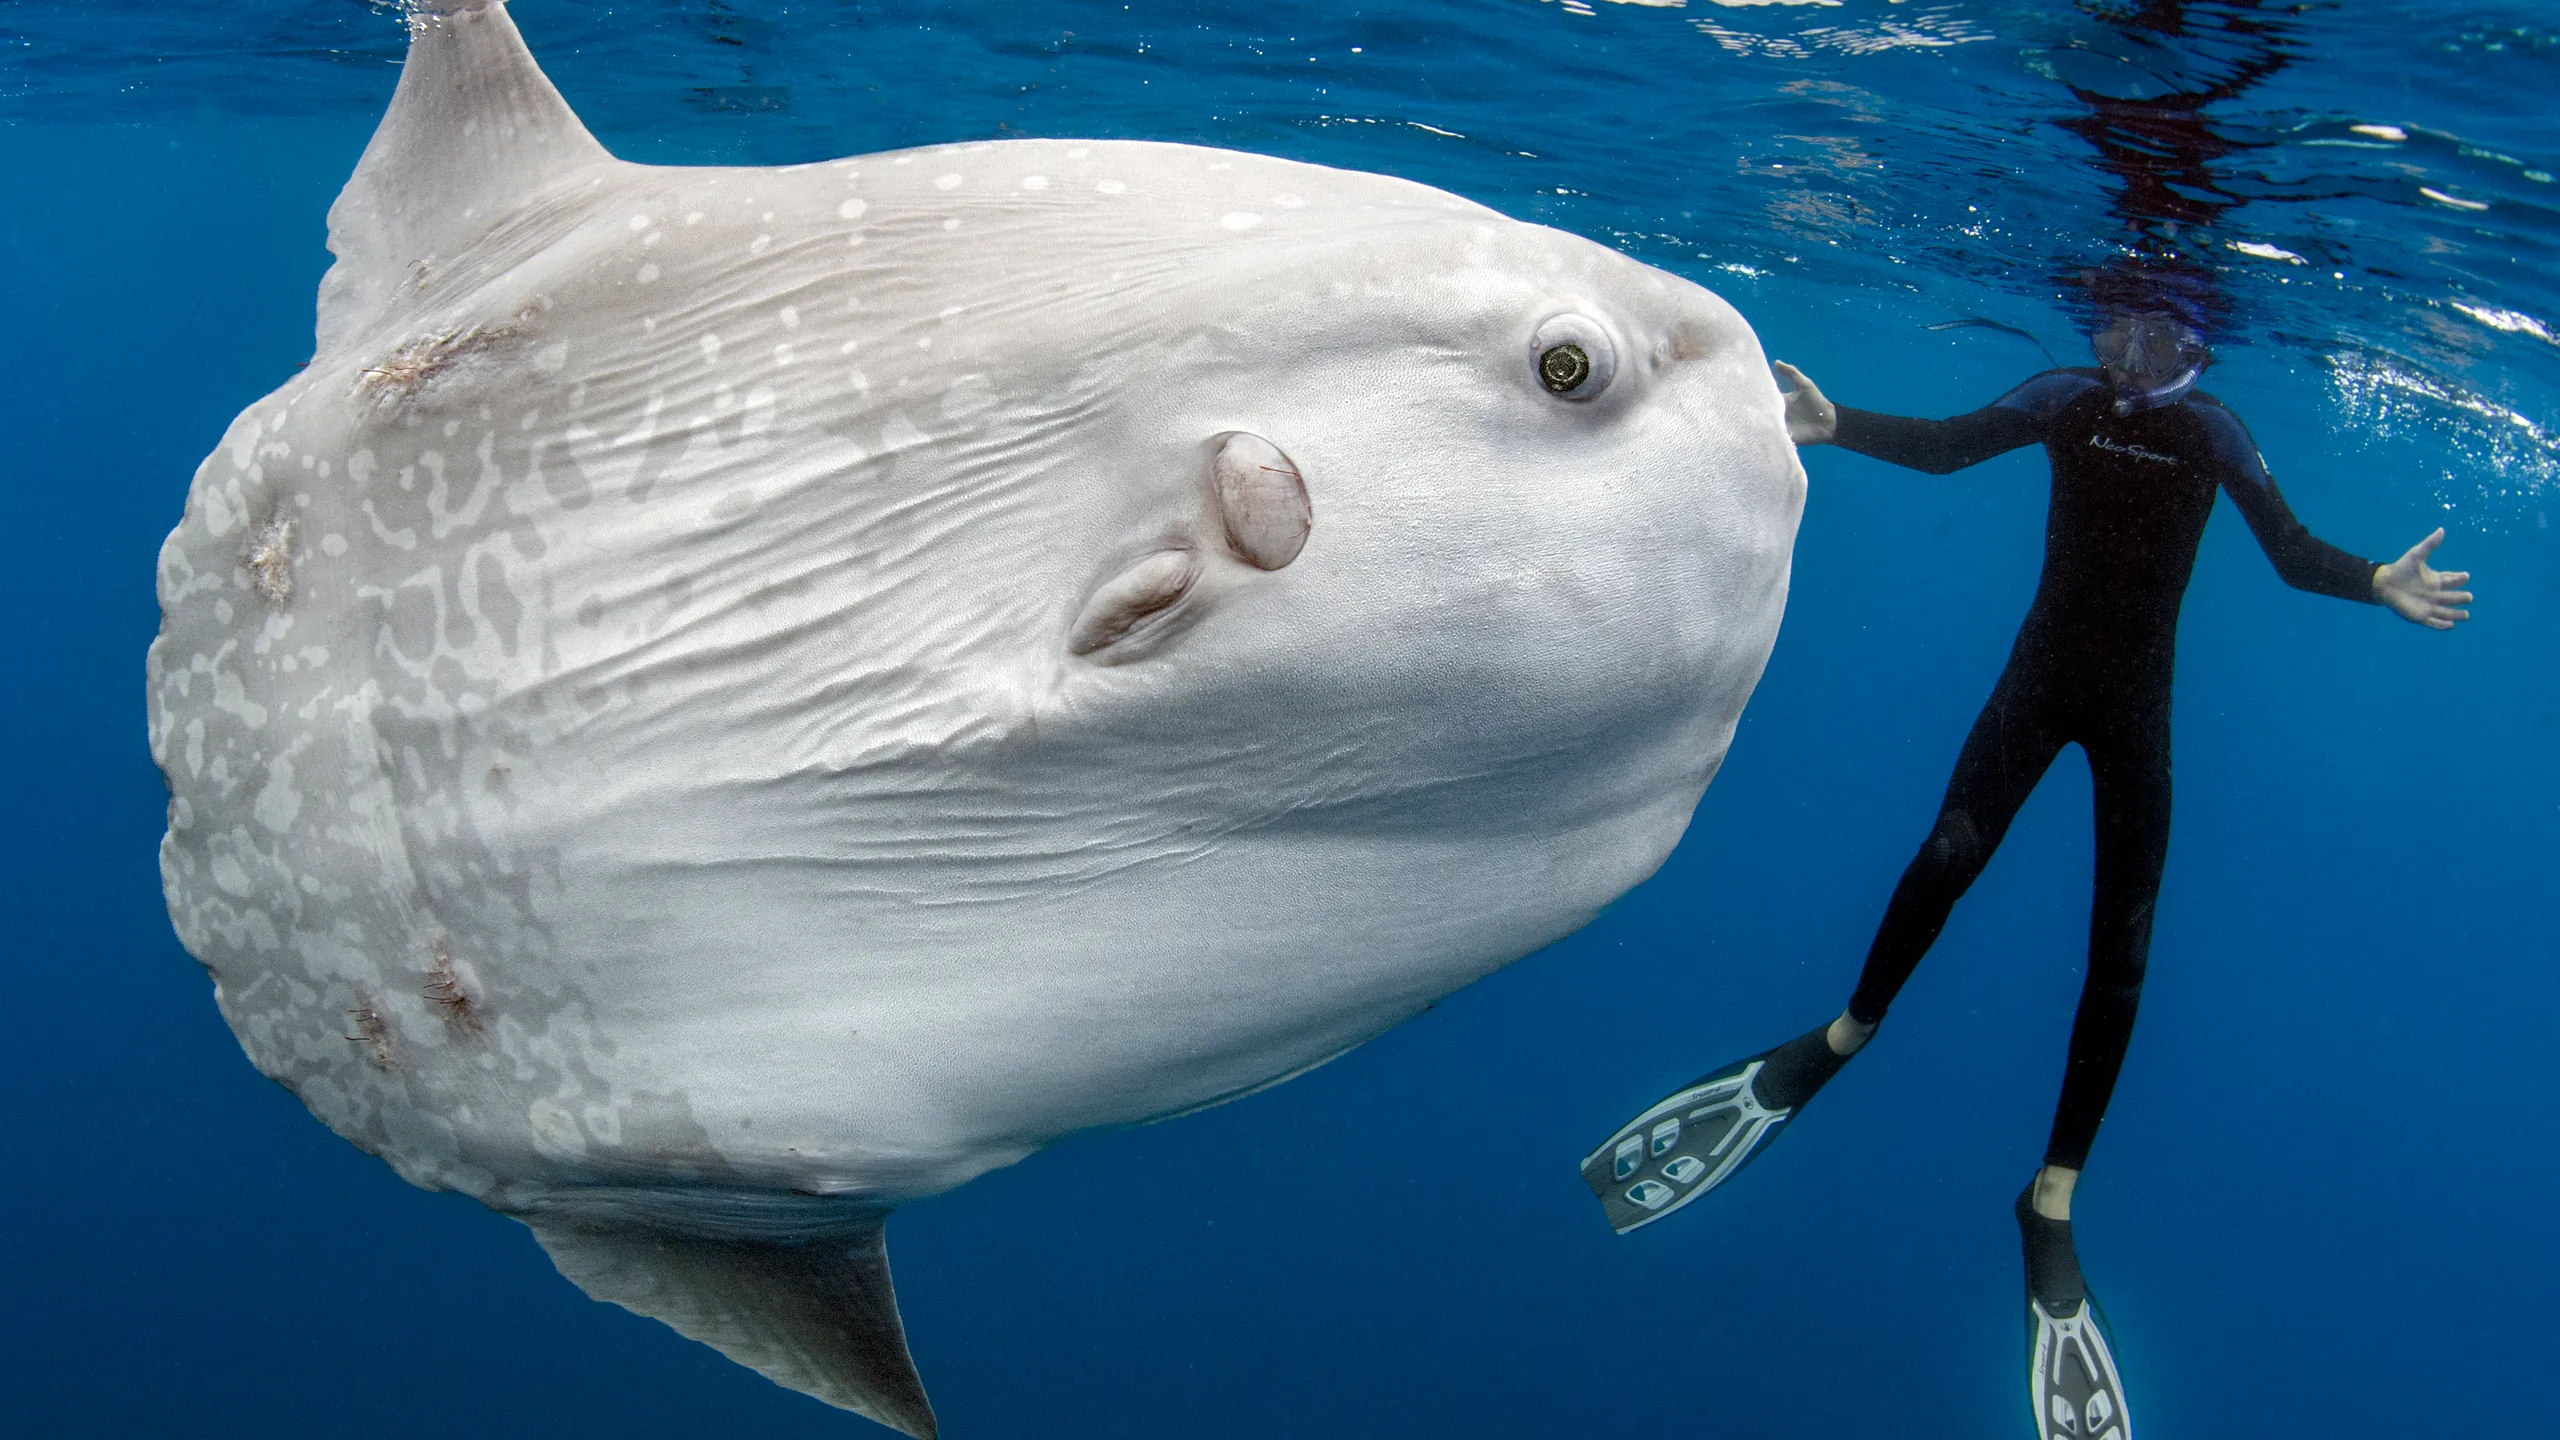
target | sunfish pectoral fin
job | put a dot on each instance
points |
(474, 131)
(816, 1315)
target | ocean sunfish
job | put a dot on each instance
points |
(727, 700)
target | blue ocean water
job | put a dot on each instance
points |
(2318, 1205)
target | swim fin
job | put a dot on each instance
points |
(2071, 1368)
(1702, 1135)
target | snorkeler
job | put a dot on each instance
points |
(2137, 455)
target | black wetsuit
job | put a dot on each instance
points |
(2091, 664)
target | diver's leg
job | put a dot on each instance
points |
(2129, 783)
(2012, 744)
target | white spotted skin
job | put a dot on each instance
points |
(679, 674)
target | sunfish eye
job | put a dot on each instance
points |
(1572, 357)
(1564, 367)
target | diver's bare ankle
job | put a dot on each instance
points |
(1847, 1036)
(2052, 1195)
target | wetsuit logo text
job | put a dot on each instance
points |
(2101, 442)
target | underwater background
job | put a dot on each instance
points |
(2322, 1202)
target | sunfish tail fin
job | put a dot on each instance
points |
(474, 131)
(816, 1315)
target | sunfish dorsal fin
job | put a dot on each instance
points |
(817, 1315)
(475, 131)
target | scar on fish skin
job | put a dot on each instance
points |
(409, 368)
(372, 1034)
(445, 991)
(270, 560)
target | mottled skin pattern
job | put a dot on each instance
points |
(617, 702)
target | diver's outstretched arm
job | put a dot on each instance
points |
(1939, 447)
(2420, 593)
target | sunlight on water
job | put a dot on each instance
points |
(2518, 456)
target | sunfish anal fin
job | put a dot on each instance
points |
(818, 1316)
(474, 132)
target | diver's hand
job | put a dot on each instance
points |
(2418, 593)
(1811, 419)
